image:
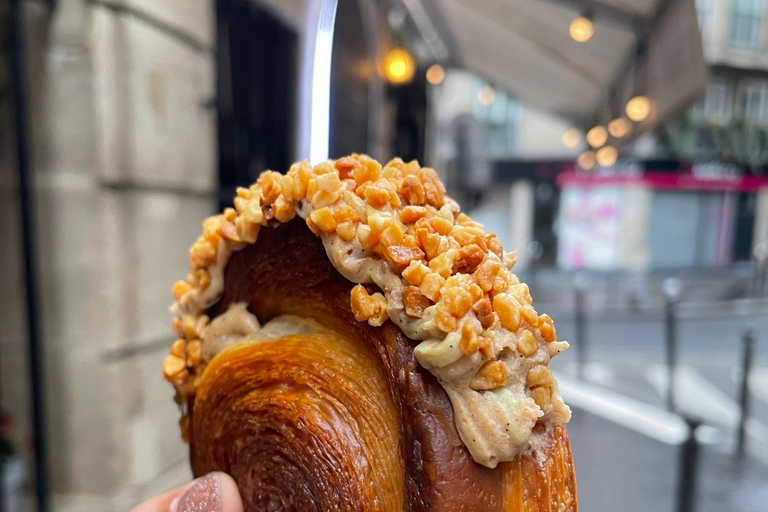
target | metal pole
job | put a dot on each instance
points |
(579, 320)
(26, 207)
(672, 288)
(748, 339)
(760, 257)
(689, 461)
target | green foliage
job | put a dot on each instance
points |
(738, 141)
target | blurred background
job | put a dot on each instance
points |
(620, 146)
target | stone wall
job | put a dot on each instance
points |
(124, 155)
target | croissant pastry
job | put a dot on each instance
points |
(348, 340)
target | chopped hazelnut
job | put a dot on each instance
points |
(490, 376)
(484, 312)
(415, 272)
(508, 310)
(414, 302)
(547, 328)
(526, 344)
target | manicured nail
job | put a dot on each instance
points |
(203, 496)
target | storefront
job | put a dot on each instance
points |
(657, 220)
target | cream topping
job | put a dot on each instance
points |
(498, 391)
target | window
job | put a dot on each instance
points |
(702, 11)
(752, 102)
(717, 105)
(746, 22)
(500, 123)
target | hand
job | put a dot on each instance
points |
(214, 492)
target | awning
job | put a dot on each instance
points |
(651, 47)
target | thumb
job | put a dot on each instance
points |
(215, 492)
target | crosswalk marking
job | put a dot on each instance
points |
(697, 397)
(633, 414)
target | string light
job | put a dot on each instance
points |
(597, 136)
(606, 156)
(639, 108)
(586, 160)
(581, 29)
(619, 127)
(399, 66)
(486, 95)
(571, 138)
(435, 74)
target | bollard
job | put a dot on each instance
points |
(688, 468)
(748, 339)
(760, 257)
(672, 288)
(579, 319)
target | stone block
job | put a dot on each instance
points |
(152, 92)
(149, 237)
(194, 18)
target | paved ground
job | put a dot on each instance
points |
(622, 467)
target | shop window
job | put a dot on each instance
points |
(752, 102)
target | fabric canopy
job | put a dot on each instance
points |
(651, 47)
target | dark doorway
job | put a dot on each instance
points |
(351, 73)
(256, 69)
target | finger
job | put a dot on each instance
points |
(163, 502)
(215, 492)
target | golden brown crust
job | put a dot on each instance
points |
(257, 416)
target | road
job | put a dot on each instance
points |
(624, 464)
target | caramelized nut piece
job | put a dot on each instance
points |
(194, 353)
(526, 344)
(172, 366)
(430, 286)
(508, 311)
(346, 231)
(444, 320)
(443, 264)
(470, 257)
(180, 288)
(547, 328)
(484, 312)
(491, 375)
(415, 272)
(177, 349)
(457, 300)
(543, 397)
(411, 214)
(323, 219)
(469, 339)
(413, 191)
(529, 315)
(371, 308)
(414, 302)
(402, 255)
(486, 273)
(521, 293)
(539, 375)
(484, 346)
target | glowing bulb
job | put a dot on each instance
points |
(582, 29)
(619, 127)
(638, 108)
(399, 66)
(571, 137)
(606, 156)
(597, 136)
(586, 160)
(486, 95)
(435, 74)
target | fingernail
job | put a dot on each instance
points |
(203, 496)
